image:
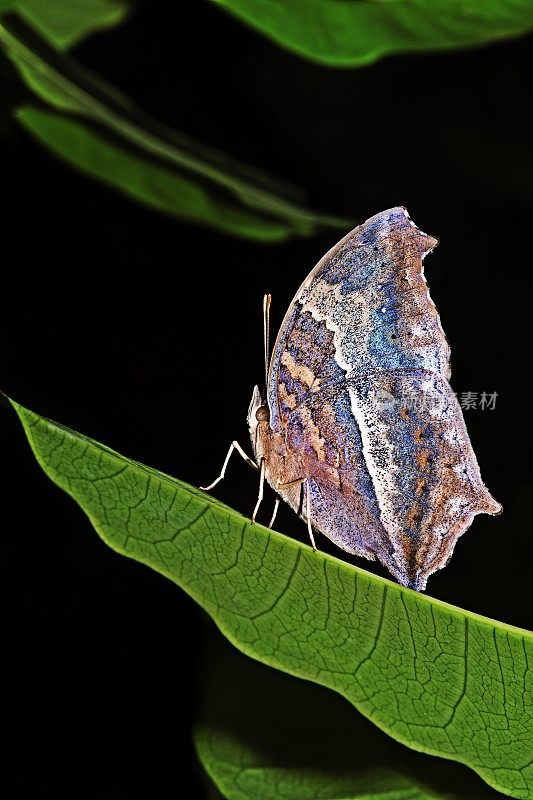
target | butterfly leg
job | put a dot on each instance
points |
(308, 514)
(233, 446)
(301, 482)
(276, 506)
(261, 485)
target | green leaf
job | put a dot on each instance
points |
(436, 678)
(148, 182)
(96, 129)
(263, 735)
(352, 33)
(65, 22)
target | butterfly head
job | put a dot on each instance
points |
(258, 423)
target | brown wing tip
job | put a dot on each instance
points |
(489, 505)
(431, 242)
(427, 242)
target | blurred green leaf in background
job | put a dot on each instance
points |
(99, 131)
(65, 22)
(353, 33)
(96, 129)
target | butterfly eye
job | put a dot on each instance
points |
(262, 414)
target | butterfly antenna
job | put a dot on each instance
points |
(266, 332)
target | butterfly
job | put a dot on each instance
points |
(359, 430)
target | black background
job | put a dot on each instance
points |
(145, 334)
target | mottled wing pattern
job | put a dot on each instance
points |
(358, 386)
(343, 501)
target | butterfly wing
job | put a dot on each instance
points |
(361, 364)
(322, 430)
